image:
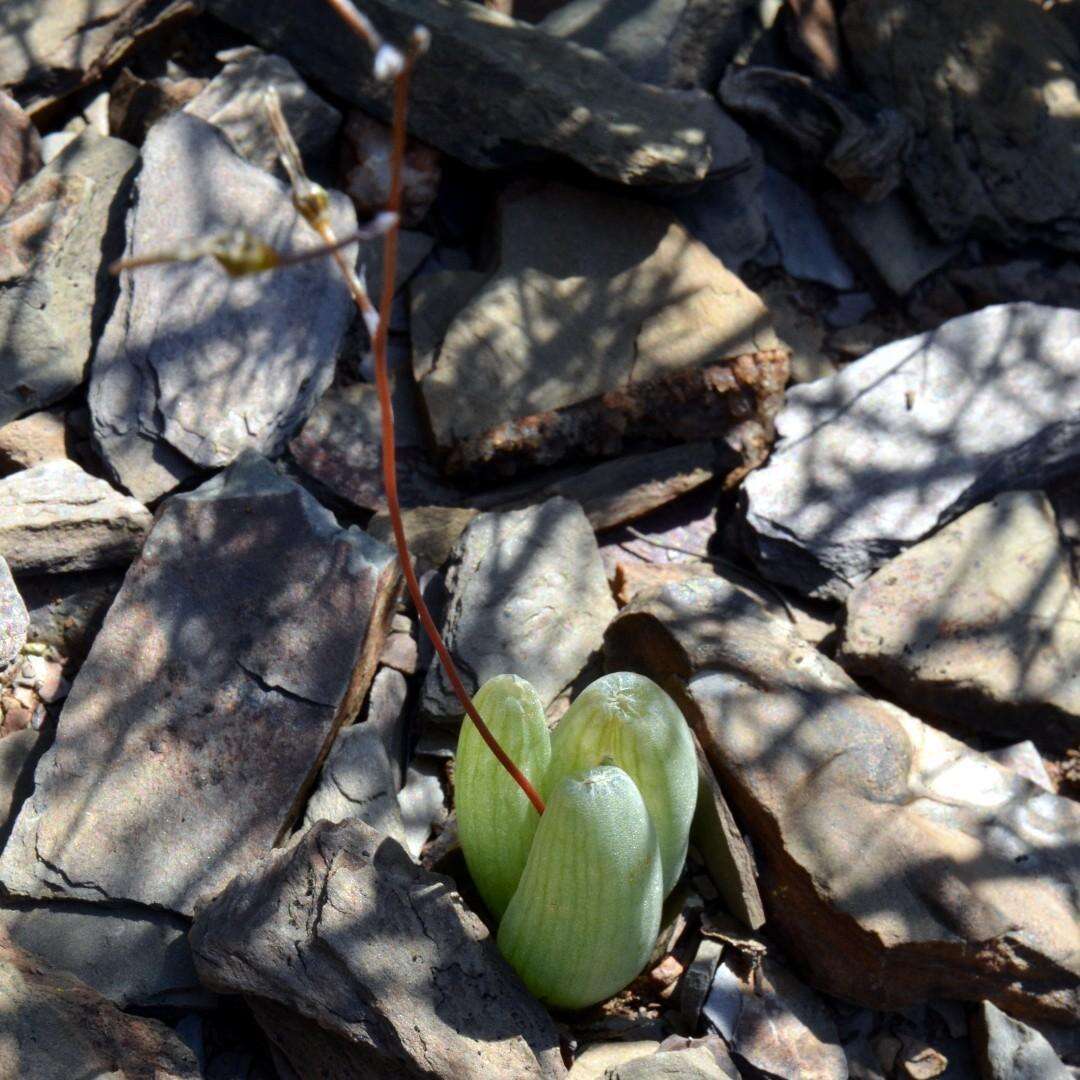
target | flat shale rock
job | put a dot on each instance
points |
(897, 864)
(357, 781)
(194, 367)
(990, 87)
(132, 957)
(528, 597)
(1009, 1050)
(232, 102)
(55, 1027)
(33, 440)
(979, 623)
(14, 620)
(495, 92)
(243, 637)
(56, 518)
(55, 238)
(396, 977)
(48, 48)
(878, 456)
(604, 325)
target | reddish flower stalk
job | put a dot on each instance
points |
(386, 409)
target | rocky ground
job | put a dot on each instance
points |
(735, 343)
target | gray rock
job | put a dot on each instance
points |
(194, 367)
(423, 802)
(396, 977)
(697, 1063)
(806, 248)
(55, 239)
(55, 1027)
(608, 325)
(18, 751)
(591, 1062)
(66, 609)
(14, 620)
(1037, 280)
(244, 636)
(674, 43)
(132, 957)
(896, 863)
(875, 458)
(850, 309)
(386, 715)
(1010, 1050)
(48, 48)
(1023, 758)
(893, 238)
(233, 102)
(697, 980)
(357, 781)
(994, 146)
(776, 1027)
(555, 98)
(848, 135)
(978, 624)
(528, 597)
(56, 518)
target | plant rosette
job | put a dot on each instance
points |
(578, 891)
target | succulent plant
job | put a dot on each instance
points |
(580, 889)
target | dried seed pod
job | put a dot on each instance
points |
(496, 821)
(629, 719)
(586, 912)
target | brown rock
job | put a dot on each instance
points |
(606, 330)
(978, 624)
(898, 864)
(136, 104)
(20, 147)
(242, 639)
(33, 440)
(360, 964)
(430, 531)
(54, 1027)
(52, 47)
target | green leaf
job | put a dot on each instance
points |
(630, 720)
(586, 912)
(496, 821)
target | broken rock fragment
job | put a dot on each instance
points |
(607, 330)
(54, 1027)
(14, 620)
(194, 367)
(555, 99)
(978, 624)
(528, 597)
(358, 963)
(56, 518)
(243, 637)
(875, 458)
(897, 864)
(55, 237)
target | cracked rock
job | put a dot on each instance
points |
(243, 637)
(60, 230)
(56, 518)
(875, 458)
(194, 367)
(528, 597)
(605, 328)
(359, 964)
(897, 864)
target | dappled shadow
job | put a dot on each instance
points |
(898, 864)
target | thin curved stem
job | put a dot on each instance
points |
(389, 455)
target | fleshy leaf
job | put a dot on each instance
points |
(496, 821)
(586, 912)
(630, 720)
